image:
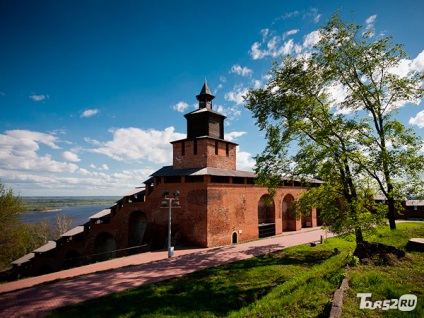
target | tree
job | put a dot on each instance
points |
(18, 238)
(334, 139)
(294, 107)
(62, 223)
(11, 227)
(365, 70)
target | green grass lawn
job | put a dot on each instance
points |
(386, 282)
(295, 282)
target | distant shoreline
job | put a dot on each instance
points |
(55, 204)
(49, 210)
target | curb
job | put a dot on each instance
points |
(336, 308)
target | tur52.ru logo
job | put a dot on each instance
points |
(406, 302)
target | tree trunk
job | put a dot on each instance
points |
(391, 213)
(390, 202)
(359, 236)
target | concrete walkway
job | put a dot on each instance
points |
(33, 297)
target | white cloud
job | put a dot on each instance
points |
(370, 21)
(27, 136)
(418, 63)
(289, 15)
(95, 183)
(267, 77)
(19, 152)
(83, 171)
(215, 91)
(369, 24)
(256, 84)
(274, 48)
(39, 98)
(264, 33)
(105, 167)
(236, 95)
(89, 113)
(92, 141)
(338, 94)
(418, 119)
(315, 15)
(223, 79)
(234, 135)
(230, 112)
(243, 71)
(135, 144)
(404, 68)
(288, 33)
(70, 156)
(312, 13)
(244, 160)
(311, 39)
(256, 52)
(180, 107)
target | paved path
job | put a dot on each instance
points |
(31, 298)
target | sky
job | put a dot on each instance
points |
(93, 92)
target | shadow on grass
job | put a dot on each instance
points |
(214, 291)
(180, 297)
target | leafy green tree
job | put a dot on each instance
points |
(294, 107)
(12, 230)
(18, 238)
(365, 70)
(310, 133)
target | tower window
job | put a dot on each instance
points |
(216, 147)
(195, 147)
(183, 148)
(227, 149)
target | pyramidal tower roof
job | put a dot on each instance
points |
(205, 97)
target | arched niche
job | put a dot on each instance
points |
(104, 247)
(266, 216)
(289, 217)
(137, 224)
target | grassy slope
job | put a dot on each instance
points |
(295, 282)
(405, 276)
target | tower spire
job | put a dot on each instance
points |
(205, 97)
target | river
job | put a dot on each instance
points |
(79, 214)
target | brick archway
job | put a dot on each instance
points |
(266, 216)
(288, 218)
(137, 224)
(234, 238)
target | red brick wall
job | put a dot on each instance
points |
(209, 215)
(234, 208)
(206, 154)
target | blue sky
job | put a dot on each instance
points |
(92, 92)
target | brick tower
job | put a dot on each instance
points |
(205, 145)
